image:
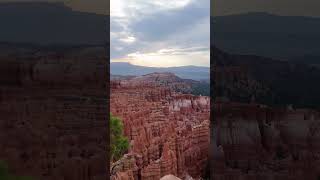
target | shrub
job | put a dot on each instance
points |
(119, 144)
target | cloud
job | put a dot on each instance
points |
(128, 39)
(162, 31)
(169, 57)
(161, 24)
(132, 9)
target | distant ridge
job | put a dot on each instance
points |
(168, 79)
(185, 72)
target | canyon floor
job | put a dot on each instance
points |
(169, 132)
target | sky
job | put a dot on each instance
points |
(160, 33)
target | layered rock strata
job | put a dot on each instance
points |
(168, 131)
(53, 107)
(256, 142)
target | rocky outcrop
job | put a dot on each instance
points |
(168, 131)
(170, 177)
(257, 142)
(53, 116)
(125, 169)
(249, 78)
(173, 82)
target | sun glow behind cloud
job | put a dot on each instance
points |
(142, 34)
(169, 57)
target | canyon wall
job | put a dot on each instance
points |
(263, 142)
(168, 131)
(251, 141)
(54, 110)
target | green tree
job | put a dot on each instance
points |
(119, 144)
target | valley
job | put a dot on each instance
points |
(168, 131)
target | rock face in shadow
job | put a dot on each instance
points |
(168, 131)
(53, 113)
(243, 78)
(251, 141)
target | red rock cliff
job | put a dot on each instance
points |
(256, 142)
(169, 132)
(53, 109)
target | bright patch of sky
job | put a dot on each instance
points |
(160, 33)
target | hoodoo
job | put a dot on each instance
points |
(168, 131)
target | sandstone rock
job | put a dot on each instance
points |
(53, 118)
(258, 142)
(170, 177)
(169, 131)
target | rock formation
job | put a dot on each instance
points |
(257, 142)
(53, 107)
(168, 131)
(247, 78)
(169, 177)
(168, 79)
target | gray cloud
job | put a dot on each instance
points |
(148, 29)
(162, 24)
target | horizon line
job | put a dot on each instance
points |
(160, 66)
